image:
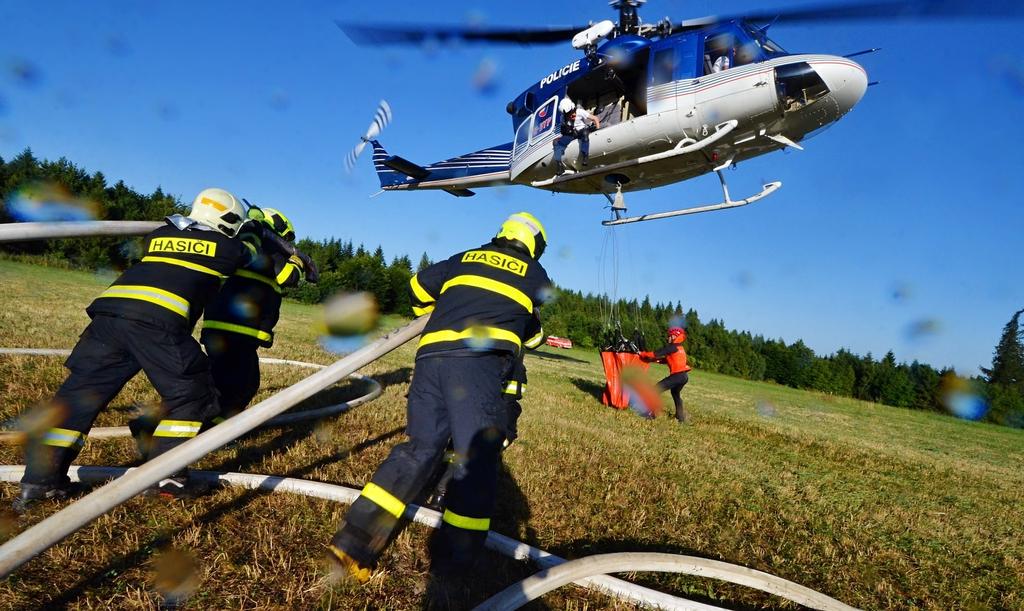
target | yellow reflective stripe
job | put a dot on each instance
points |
(418, 290)
(465, 523)
(63, 438)
(227, 326)
(186, 264)
(494, 286)
(244, 273)
(151, 294)
(474, 333)
(387, 501)
(418, 311)
(177, 428)
(534, 341)
(285, 272)
(512, 388)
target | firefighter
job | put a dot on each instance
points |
(144, 321)
(242, 317)
(673, 355)
(482, 302)
(512, 393)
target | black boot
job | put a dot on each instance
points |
(33, 493)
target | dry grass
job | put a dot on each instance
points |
(882, 508)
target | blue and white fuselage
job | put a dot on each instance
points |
(670, 110)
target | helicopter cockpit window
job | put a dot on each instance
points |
(718, 53)
(522, 140)
(767, 47)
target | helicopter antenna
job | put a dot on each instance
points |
(629, 19)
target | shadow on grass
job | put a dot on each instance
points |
(492, 572)
(550, 356)
(590, 387)
(246, 458)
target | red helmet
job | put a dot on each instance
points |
(676, 332)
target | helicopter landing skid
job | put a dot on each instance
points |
(766, 190)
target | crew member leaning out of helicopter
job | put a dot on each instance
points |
(144, 320)
(673, 355)
(575, 125)
(242, 317)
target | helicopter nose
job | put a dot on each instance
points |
(846, 80)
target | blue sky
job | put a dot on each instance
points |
(898, 228)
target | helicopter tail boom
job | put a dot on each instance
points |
(484, 168)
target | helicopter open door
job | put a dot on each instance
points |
(534, 137)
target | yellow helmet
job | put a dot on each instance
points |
(524, 228)
(218, 209)
(279, 223)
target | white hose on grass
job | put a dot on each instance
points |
(535, 586)
(53, 529)
(111, 432)
(506, 546)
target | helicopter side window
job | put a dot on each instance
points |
(718, 53)
(663, 66)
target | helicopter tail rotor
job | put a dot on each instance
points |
(381, 119)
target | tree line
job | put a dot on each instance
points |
(586, 319)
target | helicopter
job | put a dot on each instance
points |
(674, 101)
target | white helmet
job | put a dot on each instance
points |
(566, 105)
(218, 209)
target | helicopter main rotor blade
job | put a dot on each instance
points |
(865, 11)
(363, 34)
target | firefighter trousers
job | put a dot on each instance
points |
(235, 366)
(451, 397)
(675, 383)
(108, 354)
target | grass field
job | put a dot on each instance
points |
(879, 507)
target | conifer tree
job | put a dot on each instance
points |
(1008, 360)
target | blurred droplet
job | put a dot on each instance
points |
(105, 275)
(167, 111)
(322, 433)
(678, 320)
(765, 409)
(923, 329)
(48, 202)
(245, 307)
(961, 398)
(279, 101)
(37, 420)
(547, 294)
(901, 292)
(347, 314)
(342, 345)
(485, 80)
(131, 250)
(642, 394)
(8, 523)
(117, 46)
(743, 279)
(565, 253)
(459, 392)
(25, 73)
(479, 338)
(175, 576)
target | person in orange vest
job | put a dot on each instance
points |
(673, 355)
